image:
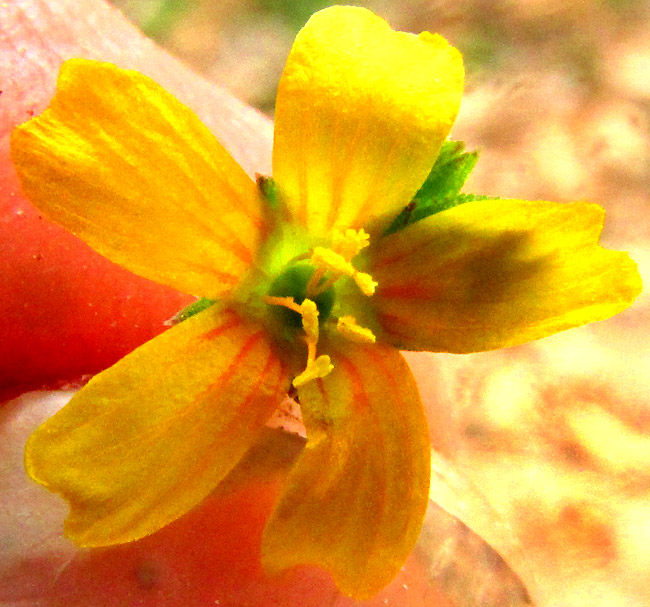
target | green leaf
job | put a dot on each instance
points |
(441, 189)
(166, 16)
(293, 12)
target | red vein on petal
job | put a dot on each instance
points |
(378, 442)
(340, 167)
(217, 385)
(384, 261)
(190, 407)
(204, 463)
(233, 320)
(378, 185)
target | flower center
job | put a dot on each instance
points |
(304, 296)
(293, 283)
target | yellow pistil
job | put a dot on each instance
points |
(348, 327)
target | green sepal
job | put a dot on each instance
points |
(441, 189)
(436, 206)
(270, 190)
(194, 308)
(449, 173)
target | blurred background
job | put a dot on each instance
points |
(557, 100)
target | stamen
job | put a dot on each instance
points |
(312, 289)
(348, 327)
(329, 264)
(287, 302)
(336, 263)
(327, 284)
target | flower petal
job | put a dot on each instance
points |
(121, 163)
(361, 114)
(149, 438)
(355, 501)
(493, 274)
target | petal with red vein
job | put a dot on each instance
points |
(493, 274)
(356, 499)
(148, 439)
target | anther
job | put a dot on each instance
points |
(348, 327)
(332, 261)
(309, 313)
(365, 283)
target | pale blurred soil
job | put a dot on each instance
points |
(558, 92)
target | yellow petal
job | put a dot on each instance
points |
(149, 438)
(355, 501)
(120, 162)
(361, 114)
(493, 274)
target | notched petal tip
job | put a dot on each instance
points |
(361, 114)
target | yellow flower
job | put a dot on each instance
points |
(362, 112)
